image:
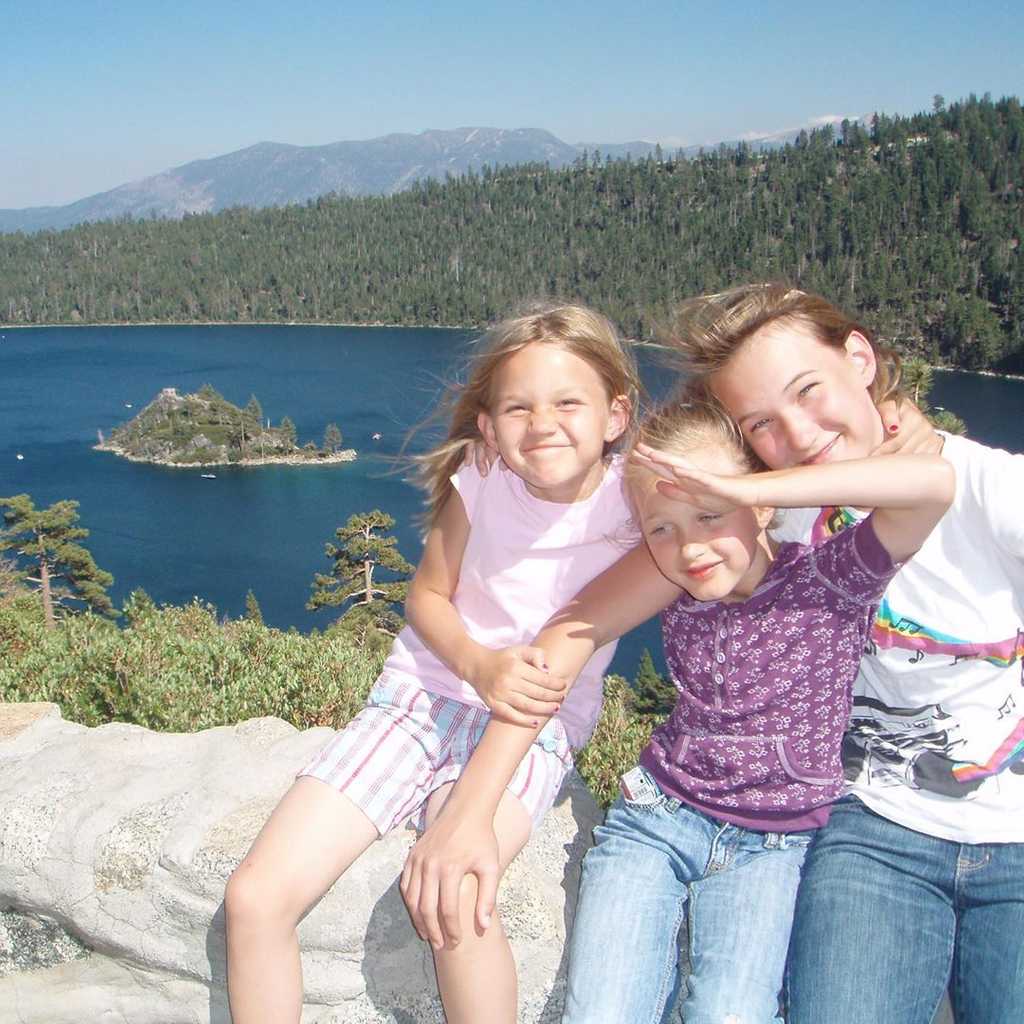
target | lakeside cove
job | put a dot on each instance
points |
(265, 530)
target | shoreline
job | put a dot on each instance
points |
(375, 325)
(346, 455)
(980, 373)
(244, 323)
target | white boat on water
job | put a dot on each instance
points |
(19, 456)
(208, 476)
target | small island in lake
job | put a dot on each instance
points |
(205, 429)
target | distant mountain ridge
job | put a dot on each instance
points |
(276, 174)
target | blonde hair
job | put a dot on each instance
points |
(680, 426)
(575, 329)
(708, 330)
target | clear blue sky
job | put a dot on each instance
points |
(94, 94)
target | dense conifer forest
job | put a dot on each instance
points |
(915, 222)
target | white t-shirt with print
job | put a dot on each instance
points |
(936, 740)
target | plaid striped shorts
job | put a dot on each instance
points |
(407, 742)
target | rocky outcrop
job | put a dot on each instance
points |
(116, 842)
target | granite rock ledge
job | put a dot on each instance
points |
(116, 842)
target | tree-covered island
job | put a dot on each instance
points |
(205, 429)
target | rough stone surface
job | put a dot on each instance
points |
(116, 842)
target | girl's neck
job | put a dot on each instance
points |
(764, 554)
(572, 491)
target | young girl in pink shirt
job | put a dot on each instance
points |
(551, 393)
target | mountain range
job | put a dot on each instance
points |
(276, 174)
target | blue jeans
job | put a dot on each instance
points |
(888, 917)
(650, 863)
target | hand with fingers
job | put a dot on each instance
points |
(452, 848)
(516, 686)
(907, 430)
(680, 478)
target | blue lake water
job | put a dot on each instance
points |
(178, 535)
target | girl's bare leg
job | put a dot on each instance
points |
(311, 839)
(477, 979)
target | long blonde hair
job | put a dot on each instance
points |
(576, 329)
(708, 330)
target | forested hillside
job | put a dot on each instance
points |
(915, 222)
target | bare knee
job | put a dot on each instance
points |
(253, 900)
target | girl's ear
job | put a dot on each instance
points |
(618, 418)
(486, 428)
(862, 356)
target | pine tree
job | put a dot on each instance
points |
(288, 433)
(332, 438)
(362, 548)
(48, 538)
(917, 377)
(138, 606)
(252, 422)
(253, 612)
(253, 414)
(652, 693)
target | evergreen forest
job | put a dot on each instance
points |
(913, 222)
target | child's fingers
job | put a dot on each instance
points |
(537, 681)
(654, 465)
(542, 697)
(410, 889)
(673, 470)
(672, 490)
(505, 712)
(486, 895)
(530, 708)
(534, 656)
(451, 926)
(655, 457)
(427, 907)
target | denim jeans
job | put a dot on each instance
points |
(654, 862)
(888, 917)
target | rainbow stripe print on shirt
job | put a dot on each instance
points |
(891, 630)
(1009, 751)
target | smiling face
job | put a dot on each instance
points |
(719, 555)
(550, 419)
(799, 400)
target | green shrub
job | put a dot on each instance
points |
(179, 669)
(620, 735)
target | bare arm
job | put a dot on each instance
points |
(510, 681)
(461, 840)
(909, 493)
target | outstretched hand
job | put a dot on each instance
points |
(682, 480)
(907, 430)
(516, 686)
(453, 847)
